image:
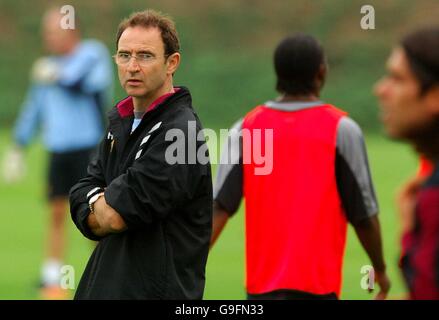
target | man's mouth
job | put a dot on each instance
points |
(134, 81)
(384, 116)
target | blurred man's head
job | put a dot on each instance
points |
(57, 40)
(300, 66)
(409, 94)
(147, 53)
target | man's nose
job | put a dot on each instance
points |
(379, 87)
(133, 65)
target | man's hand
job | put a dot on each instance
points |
(107, 218)
(45, 71)
(13, 166)
(384, 283)
(94, 226)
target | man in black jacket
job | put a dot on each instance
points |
(151, 215)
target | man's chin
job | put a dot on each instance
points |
(135, 92)
(410, 135)
(392, 133)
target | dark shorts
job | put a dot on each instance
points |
(291, 295)
(65, 170)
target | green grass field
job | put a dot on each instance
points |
(228, 68)
(24, 216)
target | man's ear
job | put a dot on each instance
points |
(432, 99)
(173, 62)
(321, 75)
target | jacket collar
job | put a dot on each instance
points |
(120, 118)
(125, 107)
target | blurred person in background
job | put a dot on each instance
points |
(68, 90)
(406, 196)
(409, 101)
(296, 216)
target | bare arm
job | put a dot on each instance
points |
(369, 234)
(220, 218)
(228, 188)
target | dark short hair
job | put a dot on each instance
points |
(153, 19)
(297, 62)
(422, 50)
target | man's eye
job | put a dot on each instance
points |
(123, 55)
(145, 56)
(394, 77)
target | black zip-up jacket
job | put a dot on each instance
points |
(167, 207)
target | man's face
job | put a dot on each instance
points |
(56, 40)
(404, 111)
(147, 78)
